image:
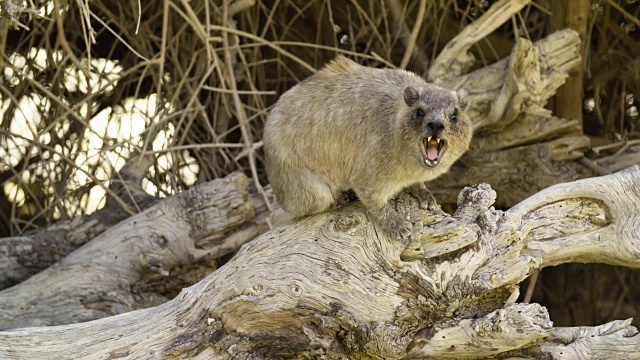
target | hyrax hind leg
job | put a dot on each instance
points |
(305, 194)
(384, 214)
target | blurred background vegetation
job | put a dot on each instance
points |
(87, 85)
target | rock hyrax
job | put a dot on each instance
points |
(373, 131)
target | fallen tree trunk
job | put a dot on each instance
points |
(524, 170)
(334, 285)
(25, 255)
(143, 261)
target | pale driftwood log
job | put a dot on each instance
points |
(335, 285)
(136, 263)
(595, 342)
(519, 147)
(455, 60)
(508, 97)
(524, 169)
(23, 256)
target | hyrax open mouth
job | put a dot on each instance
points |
(432, 149)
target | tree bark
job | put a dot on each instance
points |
(335, 285)
(573, 15)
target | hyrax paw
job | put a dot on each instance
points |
(391, 222)
(430, 203)
(425, 198)
(397, 227)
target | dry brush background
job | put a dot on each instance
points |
(88, 86)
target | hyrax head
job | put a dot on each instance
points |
(439, 131)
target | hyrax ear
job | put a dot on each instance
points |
(411, 95)
(463, 99)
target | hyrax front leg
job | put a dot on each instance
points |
(425, 198)
(385, 215)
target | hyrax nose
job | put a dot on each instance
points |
(435, 126)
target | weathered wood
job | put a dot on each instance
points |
(593, 221)
(334, 285)
(455, 59)
(613, 340)
(524, 170)
(515, 327)
(133, 265)
(519, 86)
(26, 255)
(519, 147)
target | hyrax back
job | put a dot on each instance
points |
(373, 131)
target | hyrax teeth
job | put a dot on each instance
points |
(429, 139)
(438, 140)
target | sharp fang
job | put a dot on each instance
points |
(428, 139)
(438, 140)
(435, 162)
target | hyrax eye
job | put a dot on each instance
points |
(454, 116)
(419, 113)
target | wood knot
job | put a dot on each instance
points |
(296, 290)
(347, 223)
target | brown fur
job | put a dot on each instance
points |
(349, 127)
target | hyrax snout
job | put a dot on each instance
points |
(373, 131)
